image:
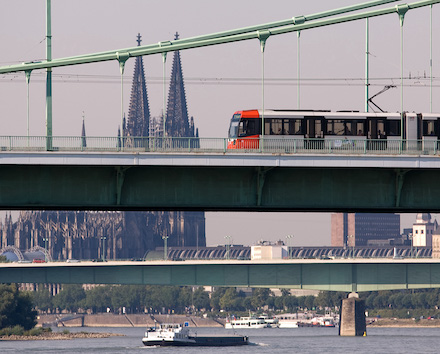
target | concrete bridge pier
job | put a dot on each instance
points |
(352, 317)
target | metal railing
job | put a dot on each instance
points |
(269, 145)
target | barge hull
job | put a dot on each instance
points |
(201, 341)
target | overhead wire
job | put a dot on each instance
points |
(243, 81)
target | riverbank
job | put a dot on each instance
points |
(114, 320)
(403, 322)
(60, 336)
(145, 320)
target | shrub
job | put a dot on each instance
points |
(34, 331)
(17, 330)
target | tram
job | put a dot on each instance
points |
(316, 129)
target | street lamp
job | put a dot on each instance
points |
(410, 236)
(45, 249)
(288, 237)
(228, 246)
(352, 244)
(165, 250)
(103, 238)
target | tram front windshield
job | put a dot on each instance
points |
(233, 128)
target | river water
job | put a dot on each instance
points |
(267, 340)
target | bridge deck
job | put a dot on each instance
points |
(336, 275)
(217, 181)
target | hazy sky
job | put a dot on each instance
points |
(219, 80)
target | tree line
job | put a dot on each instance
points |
(174, 299)
(18, 308)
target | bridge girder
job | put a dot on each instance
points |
(331, 275)
(219, 188)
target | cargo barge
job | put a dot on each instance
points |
(172, 334)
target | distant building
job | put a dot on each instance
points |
(436, 245)
(268, 250)
(364, 229)
(116, 234)
(423, 230)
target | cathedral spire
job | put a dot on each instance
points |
(83, 133)
(177, 123)
(138, 121)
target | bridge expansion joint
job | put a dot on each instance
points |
(261, 177)
(120, 176)
(400, 178)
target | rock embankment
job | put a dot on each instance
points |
(403, 322)
(114, 320)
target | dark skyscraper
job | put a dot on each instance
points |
(364, 229)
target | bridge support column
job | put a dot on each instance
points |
(352, 317)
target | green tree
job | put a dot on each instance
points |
(16, 308)
(291, 303)
(184, 299)
(278, 303)
(309, 302)
(42, 298)
(98, 298)
(170, 296)
(70, 298)
(228, 300)
(407, 301)
(201, 299)
(285, 292)
(260, 296)
(215, 298)
(324, 299)
(369, 301)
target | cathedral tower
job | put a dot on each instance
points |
(138, 121)
(177, 122)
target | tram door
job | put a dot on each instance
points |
(376, 132)
(314, 132)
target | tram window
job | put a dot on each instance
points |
(276, 127)
(248, 127)
(429, 128)
(318, 128)
(381, 129)
(359, 128)
(351, 127)
(241, 128)
(335, 127)
(295, 127)
(266, 127)
(253, 127)
(394, 127)
(286, 127)
(233, 129)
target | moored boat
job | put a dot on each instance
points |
(246, 322)
(318, 322)
(171, 334)
(271, 322)
(287, 321)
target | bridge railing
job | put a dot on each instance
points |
(328, 145)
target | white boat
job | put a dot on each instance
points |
(272, 322)
(246, 322)
(172, 334)
(323, 322)
(288, 321)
